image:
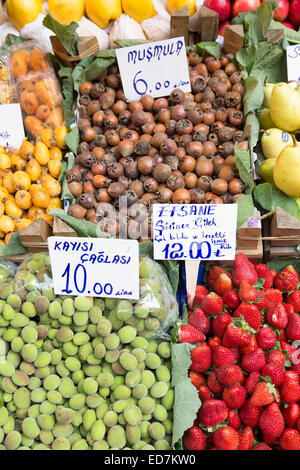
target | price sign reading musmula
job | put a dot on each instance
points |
(155, 68)
(194, 232)
(293, 62)
(95, 267)
(11, 126)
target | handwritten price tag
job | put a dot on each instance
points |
(95, 267)
(293, 62)
(155, 68)
(194, 232)
(11, 126)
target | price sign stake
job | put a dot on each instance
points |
(155, 68)
(95, 267)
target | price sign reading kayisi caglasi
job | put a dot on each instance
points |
(194, 231)
(95, 267)
(155, 68)
(293, 62)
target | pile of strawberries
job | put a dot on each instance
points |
(246, 363)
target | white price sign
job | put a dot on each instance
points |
(11, 126)
(95, 267)
(155, 68)
(293, 62)
(194, 231)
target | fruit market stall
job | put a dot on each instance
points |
(149, 225)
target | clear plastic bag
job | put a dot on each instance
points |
(7, 87)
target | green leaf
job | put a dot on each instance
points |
(252, 120)
(129, 42)
(83, 228)
(290, 35)
(259, 283)
(65, 193)
(98, 66)
(242, 161)
(73, 139)
(67, 102)
(187, 402)
(14, 246)
(258, 22)
(268, 197)
(279, 264)
(254, 94)
(209, 48)
(11, 40)
(67, 35)
(185, 317)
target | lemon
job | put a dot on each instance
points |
(174, 5)
(101, 12)
(22, 12)
(266, 170)
(66, 11)
(139, 10)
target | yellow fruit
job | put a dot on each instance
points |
(22, 180)
(41, 198)
(51, 185)
(5, 162)
(8, 183)
(174, 5)
(139, 10)
(2, 208)
(3, 194)
(8, 237)
(273, 141)
(22, 12)
(22, 224)
(33, 169)
(267, 89)
(287, 170)
(66, 11)
(12, 209)
(23, 199)
(265, 119)
(102, 12)
(2, 242)
(285, 107)
(48, 138)
(60, 133)
(18, 163)
(55, 203)
(41, 153)
(6, 224)
(35, 212)
(267, 169)
(49, 219)
(55, 154)
(54, 167)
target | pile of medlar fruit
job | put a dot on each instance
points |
(178, 149)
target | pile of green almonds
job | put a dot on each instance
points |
(79, 373)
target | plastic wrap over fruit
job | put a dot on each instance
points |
(125, 28)
(7, 270)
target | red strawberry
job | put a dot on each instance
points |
(250, 414)
(264, 394)
(292, 330)
(199, 320)
(271, 297)
(214, 342)
(222, 356)
(261, 446)
(220, 323)
(223, 283)
(247, 293)
(251, 314)
(236, 352)
(213, 274)
(291, 415)
(201, 292)
(252, 381)
(274, 371)
(197, 379)
(243, 270)
(230, 375)
(205, 393)
(290, 439)
(277, 357)
(290, 390)
(213, 412)
(271, 421)
(294, 299)
(254, 361)
(194, 439)
(289, 308)
(237, 334)
(266, 338)
(268, 439)
(235, 396)
(214, 385)
(201, 357)
(277, 317)
(231, 299)
(188, 334)
(212, 304)
(251, 346)
(234, 419)
(265, 273)
(246, 438)
(287, 279)
(226, 438)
